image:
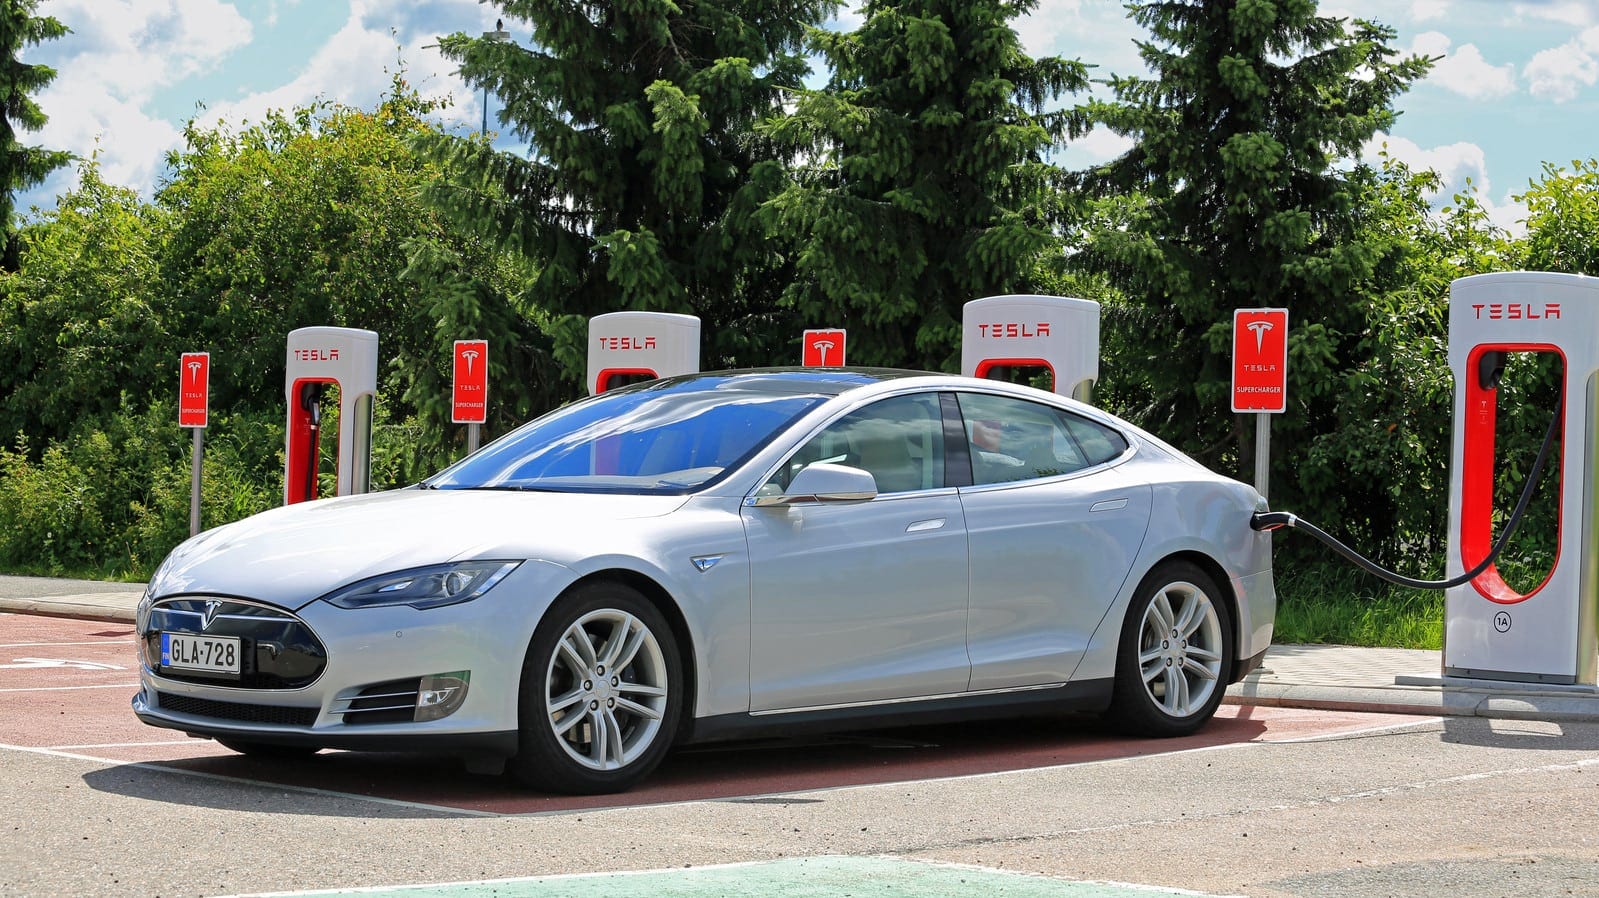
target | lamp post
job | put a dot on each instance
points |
(498, 34)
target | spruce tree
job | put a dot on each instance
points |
(636, 191)
(923, 178)
(22, 167)
(1235, 195)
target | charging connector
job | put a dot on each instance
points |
(1266, 521)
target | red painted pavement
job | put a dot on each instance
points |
(65, 685)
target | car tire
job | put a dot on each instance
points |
(601, 693)
(1176, 649)
(268, 750)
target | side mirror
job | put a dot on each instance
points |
(824, 483)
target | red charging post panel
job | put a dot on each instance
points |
(194, 389)
(471, 394)
(1260, 360)
(823, 349)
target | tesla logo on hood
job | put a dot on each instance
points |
(212, 606)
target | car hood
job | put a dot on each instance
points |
(292, 555)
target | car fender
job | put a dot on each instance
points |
(1215, 529)
(697, 559)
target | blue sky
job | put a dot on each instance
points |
(1518, 84)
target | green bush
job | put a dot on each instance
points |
(112, 499)
(50, 516)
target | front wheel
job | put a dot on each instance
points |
(1176, 649)
(600, 693)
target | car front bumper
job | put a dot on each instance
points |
(364, 652)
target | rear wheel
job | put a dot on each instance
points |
(1176, 649)
(600, 693)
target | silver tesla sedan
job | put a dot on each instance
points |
(721, 555)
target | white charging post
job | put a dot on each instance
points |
(1057, 333)
(628, 346)
(1491, 630)
(348, 359)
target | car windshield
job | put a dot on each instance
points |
(667, 437)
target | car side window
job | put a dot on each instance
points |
(1099, 443)
(899, 441)
(1014, 439)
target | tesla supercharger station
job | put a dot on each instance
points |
(348, 359)
(624, 346)
(1491, 631)
(1053, 332)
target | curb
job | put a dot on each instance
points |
(1446, 701)
(88, 606)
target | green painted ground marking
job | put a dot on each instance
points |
(816, 877)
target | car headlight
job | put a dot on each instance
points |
(424, 587)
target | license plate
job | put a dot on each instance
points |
(210, 654)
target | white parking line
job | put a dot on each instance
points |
(126, 744)
(278, 787)
(116, 641)
(133, 685)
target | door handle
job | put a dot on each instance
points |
(924, 526)
(1108, 505)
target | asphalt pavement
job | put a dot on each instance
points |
(1329, 677)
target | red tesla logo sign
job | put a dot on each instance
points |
(1260, 360)
(194, 389)
(471, 393)
(823, 349)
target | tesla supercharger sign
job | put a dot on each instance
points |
(1057, 333)
(1260, 360)
(194, 389)
(470, 396)
(822, 348)
(1260, 377)
(1493, 630)
(631, 345)
(194, 411)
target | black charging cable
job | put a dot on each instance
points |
(1276, 520)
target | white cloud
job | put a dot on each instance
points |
(1576, 13)
(1465, 71)
(1427, 10)
(1460, 166)
(850, 17)
(1101, 145)
(1454, 163)
(123, 53)
(132, 47)
(1560, 73)
(1067, 27)
(120, 52)
(354, 67)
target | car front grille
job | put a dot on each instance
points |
(280, 651)
(236, 711)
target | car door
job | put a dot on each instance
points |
(1054, 525)
(865, 601)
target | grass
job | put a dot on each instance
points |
(1330, 601)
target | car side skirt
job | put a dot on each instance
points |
(1089, 696)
